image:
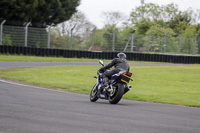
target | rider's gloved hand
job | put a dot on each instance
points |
(102, 70)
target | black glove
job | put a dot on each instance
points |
(102, 70)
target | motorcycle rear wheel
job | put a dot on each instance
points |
(93, 94)
(118, 93)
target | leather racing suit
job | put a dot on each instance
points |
(120, 64)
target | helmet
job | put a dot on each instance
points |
(121, 55)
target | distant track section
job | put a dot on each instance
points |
(15, 64)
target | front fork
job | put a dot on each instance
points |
(100, 94)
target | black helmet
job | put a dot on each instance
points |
(121, 55)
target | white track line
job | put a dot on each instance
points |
(42, 88)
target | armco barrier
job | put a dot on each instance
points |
(186, 59)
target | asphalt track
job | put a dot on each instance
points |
(31, 109)
(15, 64)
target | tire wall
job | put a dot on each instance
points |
(19, 50)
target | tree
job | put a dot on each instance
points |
(180, 22)
(143, 26)
(122, 38)
(7, 39)
(169, 16)
(157, 39)
(108, 36)
(98, 39)
(81, 30)
(149, 11)
(187, 45)
(113, 18)
(79, 23)
(39, 12)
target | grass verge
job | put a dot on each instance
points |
(8, 57)
(163, 84)
(5, 57)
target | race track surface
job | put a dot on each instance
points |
(31, 109)
(14, 64)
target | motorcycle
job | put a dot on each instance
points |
(116, 88)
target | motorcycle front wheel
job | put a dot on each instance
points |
(93, 94)
(117, 93)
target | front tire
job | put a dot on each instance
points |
(118, 93)
(93, 94)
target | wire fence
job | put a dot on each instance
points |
(13, 35)
(98, 40)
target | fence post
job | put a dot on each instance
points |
(26, 33)
(71, 36)
(93, 38)
(49, 33)
(165, 41)
(2, 31)
(132, 38)
(149, 40)
(127, 44)
(179, 51)
(113, 46)
(195, 39)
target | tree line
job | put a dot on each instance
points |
(149, 19)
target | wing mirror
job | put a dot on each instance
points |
(101, 62)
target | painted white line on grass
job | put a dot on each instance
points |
(42, 88)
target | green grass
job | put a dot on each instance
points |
(167, 84)
(7, 57)
(163, 84)
(4, 57)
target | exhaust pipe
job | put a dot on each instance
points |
(127, 89)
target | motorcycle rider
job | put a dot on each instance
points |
(119, 63)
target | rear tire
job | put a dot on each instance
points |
(93, 94)
(119, 92)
